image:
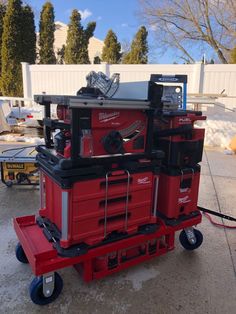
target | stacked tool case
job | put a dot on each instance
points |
(103, 194)
(177, 136)
(112, 192)
(182, 143)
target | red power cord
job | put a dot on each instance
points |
(216, 223)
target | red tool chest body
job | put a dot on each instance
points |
(177, 136)
(178, 191)
(94, 213)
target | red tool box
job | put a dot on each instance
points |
(121, 201)
(178, 191)
(104, 204)
(177, 136)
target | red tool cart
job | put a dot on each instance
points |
(108, 200)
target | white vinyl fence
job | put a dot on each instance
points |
(206, 79)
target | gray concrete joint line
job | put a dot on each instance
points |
(219, 208)
(219, 176)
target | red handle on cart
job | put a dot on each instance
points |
(196, 117)
(118, 173)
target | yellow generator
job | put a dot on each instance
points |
(18, 166)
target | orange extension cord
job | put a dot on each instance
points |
(216, 223)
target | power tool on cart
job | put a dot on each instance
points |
(116, 183)
(103, 130)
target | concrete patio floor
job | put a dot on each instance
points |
(202, 281)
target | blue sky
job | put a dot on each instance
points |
(119, 15)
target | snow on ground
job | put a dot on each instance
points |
(219, 133)
(24, 139)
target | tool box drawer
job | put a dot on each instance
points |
(91, 229)
(115, 202)
(117, 182)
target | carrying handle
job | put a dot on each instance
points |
(113, 219)
(196, 117)
(177, 78)
(117, 173)
(182, 173)
(186, 129)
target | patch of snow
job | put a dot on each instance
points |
(218, 132)
(24, 139)
(228, 152)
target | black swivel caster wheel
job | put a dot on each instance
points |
(186, 243)
(36, 290)
(20, 254)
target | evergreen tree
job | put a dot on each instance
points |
(12, 49)
(2, 13)
(138, 53)
(28, 35)
(111, 50)
(76, 51)
(96, 60)
(233, 55)
(74, 39)
(61, 55)
(87, 34)
(46, 35)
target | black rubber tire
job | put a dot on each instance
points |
(185, 243)
(20, 254)
(36, 290)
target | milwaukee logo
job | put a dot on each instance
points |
(184, 200)
(105, 117)
(144, 180)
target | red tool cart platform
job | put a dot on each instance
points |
(109, 198)
(97, 262)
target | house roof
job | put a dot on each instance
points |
(94, 48)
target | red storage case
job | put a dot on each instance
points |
(178, 191)
(92, 209)
(179, 139)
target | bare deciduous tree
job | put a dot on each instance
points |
(181, 23)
